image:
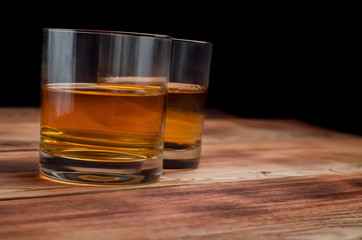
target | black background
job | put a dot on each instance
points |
(271, 59)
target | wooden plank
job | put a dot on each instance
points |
(233, 149)
(323, 207)
(258, 179)
(229, 163)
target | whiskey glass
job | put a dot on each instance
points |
(103, 99)
(187, 93)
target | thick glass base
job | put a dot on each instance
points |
(180, 164)
(181, 159)
(99, 172)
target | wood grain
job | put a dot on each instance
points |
(324, 207)
(19, 129)
(258, 179)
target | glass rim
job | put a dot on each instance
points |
(108, 32)
(192, 41)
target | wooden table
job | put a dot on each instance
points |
(258, 179)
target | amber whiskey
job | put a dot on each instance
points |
(102, 128)
(184, 124)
